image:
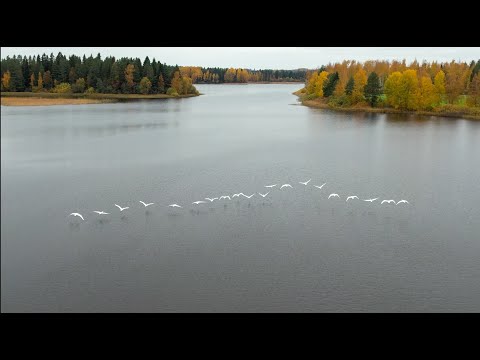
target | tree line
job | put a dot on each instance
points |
(201, 75)
(415, 86)
(125, 75)
(92, 74)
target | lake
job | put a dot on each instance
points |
(293, 251)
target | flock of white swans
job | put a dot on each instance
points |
(198, 202)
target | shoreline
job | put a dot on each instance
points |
(256, 83)
(277, 82)
(50, 99)
(321, 105)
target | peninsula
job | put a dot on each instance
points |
(443, 89)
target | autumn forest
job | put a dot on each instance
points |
(74, 74)
(427, 86)
(372, 85)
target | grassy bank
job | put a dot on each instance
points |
(46, 99)
(456, 111)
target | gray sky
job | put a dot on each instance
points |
(262, 57)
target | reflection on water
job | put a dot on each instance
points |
(292, 251)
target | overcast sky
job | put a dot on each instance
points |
(261, 57)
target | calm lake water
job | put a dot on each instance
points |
(292, 251)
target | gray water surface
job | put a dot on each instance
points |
(293, 251)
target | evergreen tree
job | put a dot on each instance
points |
(25, 73)
(72, 76)
(17, 83)
(329, 85)
(100, 86)
(166, 76)
(56, 69)
(147, 70)
(114, 79)
(475, 70)
(372, 89)
(137, 75)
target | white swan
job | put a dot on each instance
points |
(144, 204)
(121, 209)
(77, 214)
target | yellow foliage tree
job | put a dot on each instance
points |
(40, 82)
(319, 83)
(392, 89)
(242, 75)
(409, 90)
(6, 78)
(342, 70)
(360, 79)
(193, 72)
(439, 84)
(456, 80)
(426, 94)
(230, 75)
(62, 88)
(340, 87)
(129, 70)
(32, 81)
(145, 85)
(177, 82)
(186, 85)
(434, 68)
(311, 83)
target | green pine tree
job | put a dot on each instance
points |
(350, 85)
(372, 89)
(330, 84)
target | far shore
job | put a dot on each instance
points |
(277, 82)
(319, 104)
(256, 83)
(48, 99)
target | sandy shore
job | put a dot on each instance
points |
(17, 101)
(47, 99)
